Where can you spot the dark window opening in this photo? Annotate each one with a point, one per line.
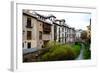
(28, 23)
(29, 35)
(59, 34)
(29, 45)
(46, 32)
(40, 24)
(65, 37)
(40, 35)
(55, 32)
(62, 29)
(23, 45)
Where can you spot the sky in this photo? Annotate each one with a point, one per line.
(76, 20)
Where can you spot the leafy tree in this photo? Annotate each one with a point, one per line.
(84, 35)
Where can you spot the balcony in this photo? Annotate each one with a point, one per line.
(28, 26)
(46, 28)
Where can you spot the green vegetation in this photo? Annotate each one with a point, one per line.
(57, 51)
(77, 48)
(87, 51)
(87, 54)
(87, 42)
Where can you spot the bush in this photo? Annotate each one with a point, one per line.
(78, 43)
(87, 54)
(59, 52)
(87, 51)
(76, 49)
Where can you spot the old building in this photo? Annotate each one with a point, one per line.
(59, 30)
(38, 30)
(89, 30)
(78, 35)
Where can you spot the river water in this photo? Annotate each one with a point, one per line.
(80, 57)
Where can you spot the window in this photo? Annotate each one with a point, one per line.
(29, 45)
(40, 24)
(62, 29)
(59, 34)
(65, 37)
(55, 32)
(28, 22)
(23, 45)
(40, 35)
(62, 37)
(23, 32)
(29, 35)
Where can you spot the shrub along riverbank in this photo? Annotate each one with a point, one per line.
(57, 51)
(87, 51)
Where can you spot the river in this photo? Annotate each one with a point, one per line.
(80, 57)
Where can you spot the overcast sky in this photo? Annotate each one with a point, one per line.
(76, 20)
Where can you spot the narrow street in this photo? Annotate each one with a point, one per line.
(80, 57)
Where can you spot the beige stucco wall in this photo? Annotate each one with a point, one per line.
(47, 37)
(88, 33)
(33, 30)
(39, 28)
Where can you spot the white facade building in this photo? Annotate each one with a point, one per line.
(78, 34)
